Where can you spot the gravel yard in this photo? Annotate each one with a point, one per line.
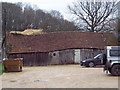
(59, 76)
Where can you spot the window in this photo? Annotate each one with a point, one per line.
(54, 54)
(115, 53)
(98, 56)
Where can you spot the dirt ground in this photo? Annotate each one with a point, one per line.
(59, 76)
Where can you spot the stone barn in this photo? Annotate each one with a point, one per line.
(56, 48)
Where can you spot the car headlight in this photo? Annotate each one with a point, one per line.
(83, 61)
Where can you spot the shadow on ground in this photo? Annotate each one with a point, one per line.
(99, 66)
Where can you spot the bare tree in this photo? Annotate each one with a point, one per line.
(94, 14)
(19, 16)
(28, 15)
(13, 17)
(118, 31)
(56, 14)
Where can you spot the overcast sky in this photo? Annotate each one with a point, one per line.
(60, 5)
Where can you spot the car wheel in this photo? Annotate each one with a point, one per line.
(115, 70)
(91, 64)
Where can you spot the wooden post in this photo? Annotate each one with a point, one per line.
(0, 23)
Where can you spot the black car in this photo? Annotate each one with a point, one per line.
(92, 62)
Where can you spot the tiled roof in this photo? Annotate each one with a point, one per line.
(56, 41)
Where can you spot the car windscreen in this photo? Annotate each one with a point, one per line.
(115, 53)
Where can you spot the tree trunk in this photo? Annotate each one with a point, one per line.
(92, 28)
